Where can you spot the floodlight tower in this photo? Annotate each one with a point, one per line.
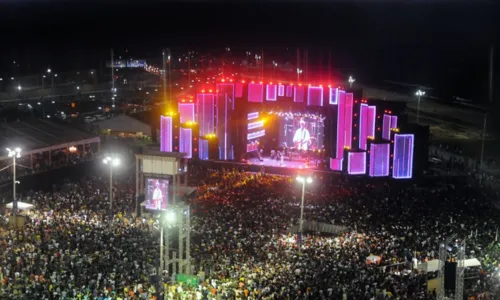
(16, 153)
(419, 94)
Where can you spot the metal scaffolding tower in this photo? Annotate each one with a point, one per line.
(443, 257)
(459, 286)
(174, 260)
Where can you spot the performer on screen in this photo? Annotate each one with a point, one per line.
(157, 196)
(302, 138)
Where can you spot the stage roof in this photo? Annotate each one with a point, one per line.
(124, 123)
(36, 135)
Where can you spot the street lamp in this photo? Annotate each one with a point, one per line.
(302, 180)
(112, 162)
(19, 88)
(419, 94)
(351, 81)
(16, 153)
(166, 218)
(49, 70)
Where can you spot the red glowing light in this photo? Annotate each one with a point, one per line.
(270, 83)
(320, 85)
(183, 100)
(209, 91)
(243, 81)
(261, 82)
(175, 136)
(202, 91)
(230, 80)
(253, 82)
(329, 85)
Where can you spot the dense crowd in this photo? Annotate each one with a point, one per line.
(73, 247)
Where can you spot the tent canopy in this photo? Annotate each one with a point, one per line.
(21, 205)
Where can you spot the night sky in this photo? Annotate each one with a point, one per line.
(443, 45)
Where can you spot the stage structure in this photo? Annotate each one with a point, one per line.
(294, 125)
(161, 184)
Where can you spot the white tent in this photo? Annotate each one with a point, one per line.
(20, 205)
(433, 265)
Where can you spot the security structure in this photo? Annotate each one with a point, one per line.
(175, 218)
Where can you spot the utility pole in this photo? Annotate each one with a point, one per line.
(112, 72)
(298, 65)
(490, 101)
(262, 65)
(165, 76)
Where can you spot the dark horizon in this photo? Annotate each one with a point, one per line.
(444, 46)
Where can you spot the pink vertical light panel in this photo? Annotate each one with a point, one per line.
(299, 94)
(315, 96)
(379, 160)
(386, 127)
(203, 149)
(255, 92)
(372, 115)
(228, 90)
(166, 134)
(356, 163)
(289, 90)
(402, 165)
(341, 125)
(336, 164)
(205, 113)
(333, 96)
(271, 92)
(348, 119)
(394, 121)
(186, 112)
(238, 89)
(281, 90)
(186, 142)
(363, 125)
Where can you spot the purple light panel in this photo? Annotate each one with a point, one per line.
(253, 115)
(315, 96)
(206, 113)
(271, 92)
(334, 96)
(255, 92)
(363, 125)
(299, 94)
(402, 165)
(165, 134)
(386, 127)
(348, 119)
(281, 90)
(254, 125)
(228, 89)
(356, 163)
(238, 89)
(256, 134)
(372, 116)
(203, 149)
(336, 164)
(289, 91)
(186, 142)
(394, 121)
(186, 112)
(379, 160)
(341, 125)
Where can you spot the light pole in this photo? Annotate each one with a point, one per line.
(112, 162)
(299, 71)
(167, 218)
(419, 94)
(52, 87)
(351, 81)
(302, 180)
(16, 153)
(43, 81)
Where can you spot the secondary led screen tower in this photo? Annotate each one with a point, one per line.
(356, 163)
(255, 92)
(402, 166)
(186, 112)
(348, 120)
(299, 94)
(315, 96)
(185, 142)
(390, 122)
(166, 131)
(271, 92)
(224, 108)
(203, 146)
(228, 89)
(206, 113)
(281, 90)
(379, 160)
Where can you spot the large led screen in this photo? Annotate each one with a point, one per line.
(302, 132)
(379, 160)
(157, 193)
(402, 165)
